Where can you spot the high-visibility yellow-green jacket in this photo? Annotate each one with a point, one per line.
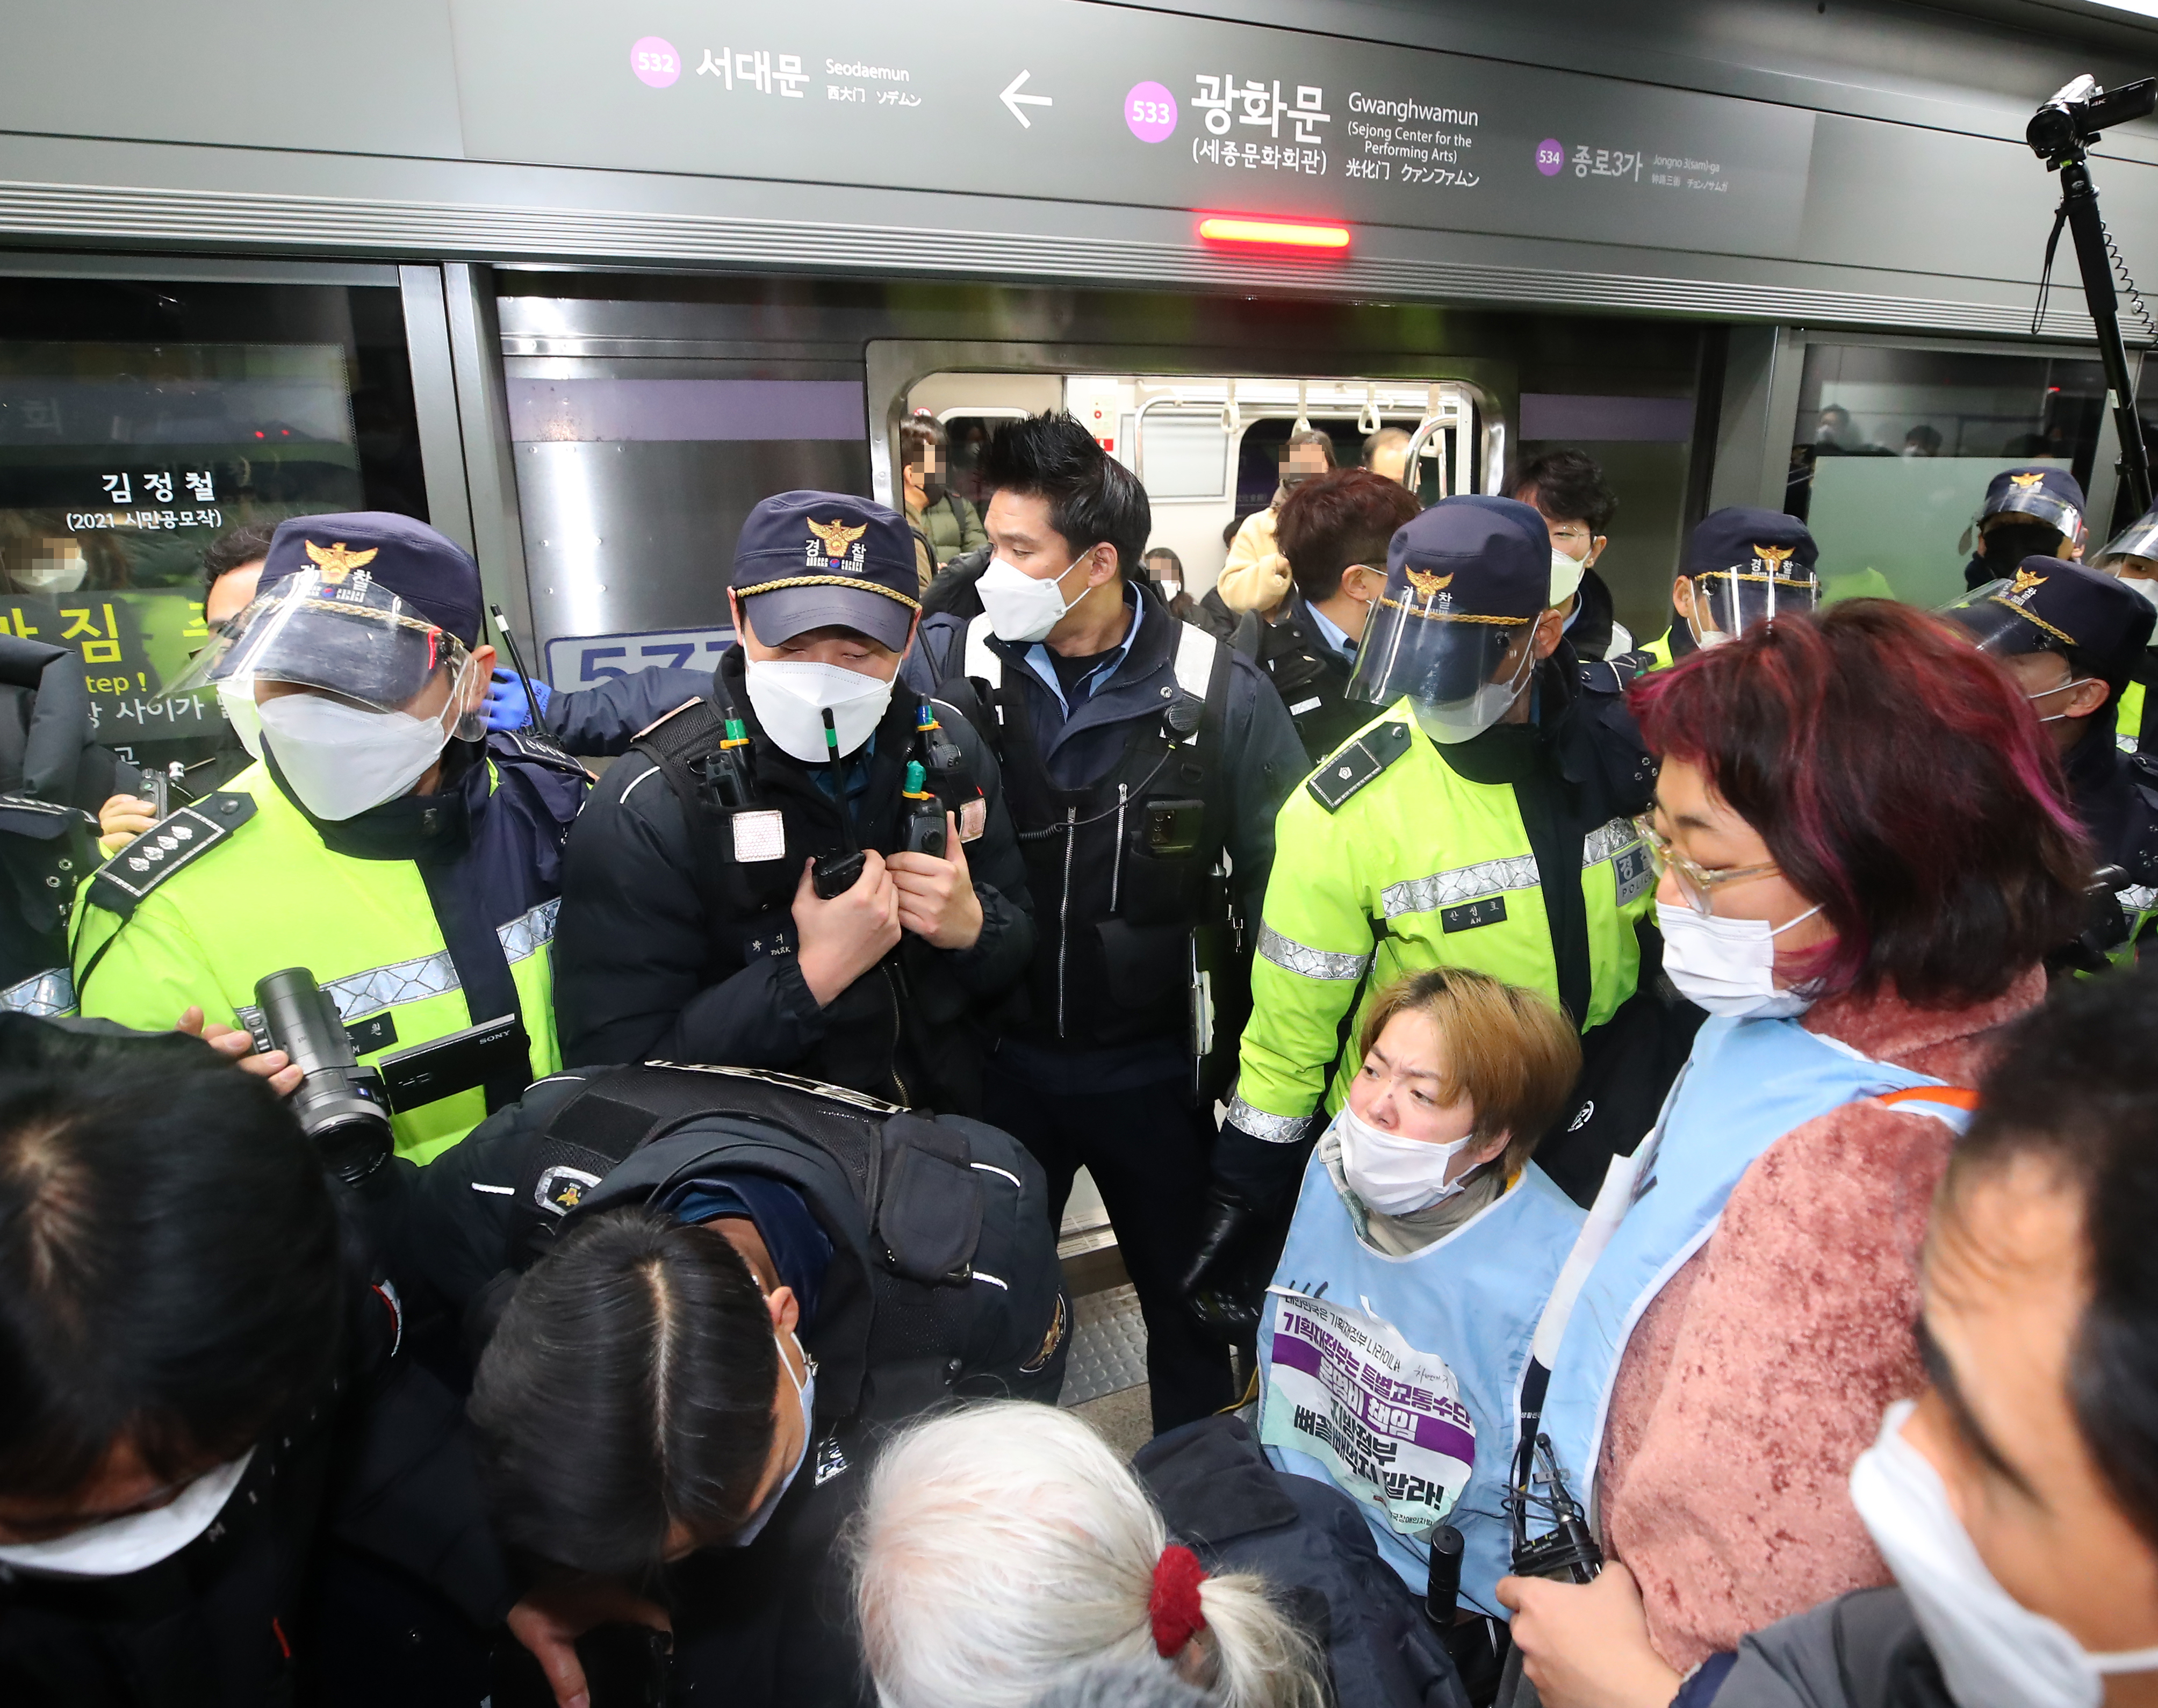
(1418, 867)
(1659, 649)
(268, 895)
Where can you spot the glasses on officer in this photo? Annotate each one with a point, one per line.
(1696, 884)
(1571, 537)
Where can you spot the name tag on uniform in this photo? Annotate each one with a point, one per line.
(759, 836)
(1305, 705)
(1490, 910)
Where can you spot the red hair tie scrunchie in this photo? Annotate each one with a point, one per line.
(1173, 1605)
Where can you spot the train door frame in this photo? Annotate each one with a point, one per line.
(895, 366)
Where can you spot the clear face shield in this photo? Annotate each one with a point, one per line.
(2133, 550)
(2035, 502)
(1997, 623)
(1728, 602)
(350, 640)
(1460, 673)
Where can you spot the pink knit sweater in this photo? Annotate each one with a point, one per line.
(1759, 1372)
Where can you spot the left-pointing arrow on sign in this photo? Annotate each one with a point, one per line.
(1013, 99)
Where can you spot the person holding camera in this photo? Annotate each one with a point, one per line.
(803, 869)
(224, 1477)
(697, 1295)
(407, 859)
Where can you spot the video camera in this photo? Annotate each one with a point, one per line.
(343, 1108)
(2059, 133)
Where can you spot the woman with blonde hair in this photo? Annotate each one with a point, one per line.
(1424, 1245)
(1003, 1549)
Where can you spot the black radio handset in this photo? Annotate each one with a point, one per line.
(835, 877)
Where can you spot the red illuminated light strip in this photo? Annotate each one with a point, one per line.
(1273, 233)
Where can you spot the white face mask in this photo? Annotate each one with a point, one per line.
(64, 576)
(805, 1393)
(341, 760)
(1728, 965)
(2143, 587)
(1020, 608)
(241, 712)
(791, 698)
(1993, 1652)
(1392, 1174)
(1169, 590)
(2061, 688)
(1567, 574)
(134, 1543)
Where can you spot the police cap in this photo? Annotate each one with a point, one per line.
(1491, 557)
(431, 573)
(809, 560)
(2053, 606)
(2042, 490)
(1742, 540)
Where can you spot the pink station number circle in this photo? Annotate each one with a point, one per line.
(654, 60)
(1150, 111)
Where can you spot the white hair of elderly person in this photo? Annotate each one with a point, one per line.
(1004, 1551)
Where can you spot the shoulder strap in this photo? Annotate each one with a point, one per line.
(177, 840)
(1347, 769)
(980, 661)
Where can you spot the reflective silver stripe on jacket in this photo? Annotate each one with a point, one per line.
(1607, 840)
(359, 995)
(379, 987)
(1306, 962)
(1461, 883)
(529, 932)
(45, 994)
(2139, 898)
(1275, 1129)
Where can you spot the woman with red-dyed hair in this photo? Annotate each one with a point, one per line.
(1865, 853)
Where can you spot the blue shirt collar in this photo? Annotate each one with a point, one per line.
(1038, 660)
(1335, 638)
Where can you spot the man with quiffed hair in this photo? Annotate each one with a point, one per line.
(1137, 751)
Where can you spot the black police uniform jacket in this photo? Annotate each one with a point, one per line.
(654, 959)
(1312, 681)
(768, 1623)
(1113, 909)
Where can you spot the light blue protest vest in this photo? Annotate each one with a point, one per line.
(1397, 1379)
(1745, 1085)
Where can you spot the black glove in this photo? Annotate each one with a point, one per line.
(1240, 1231)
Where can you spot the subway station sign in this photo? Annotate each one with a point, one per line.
(1065, 99)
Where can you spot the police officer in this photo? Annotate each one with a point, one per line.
(2071, 637)
(2132, 554)
(49, 772)
(1333, 531)
(702, 1292)
(1484, 820)
(2035, 511)
(409, 861)
(1136, 750)
(712, 909)
(1744, 565)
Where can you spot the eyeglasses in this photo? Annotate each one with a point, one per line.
(1573, 533)
(1696, 883)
